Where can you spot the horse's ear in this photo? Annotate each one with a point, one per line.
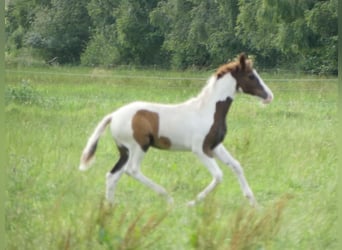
(242, 60)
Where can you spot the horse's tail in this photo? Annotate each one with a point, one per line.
(90, 149)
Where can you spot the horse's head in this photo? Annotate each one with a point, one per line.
(249, 82)
(247, 79)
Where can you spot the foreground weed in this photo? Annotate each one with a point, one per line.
(250, 228)
(206, 234)
(115, 230)
(253, 228)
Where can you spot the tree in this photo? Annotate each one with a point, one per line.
(102, 46)
(177, 33)
(322, 20)
(19, 16)
(198, 33)
(60, 30)
(139, 41)
(223, 44)
(132, 39)
(286, 31)
(173, 19)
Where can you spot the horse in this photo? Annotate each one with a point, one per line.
(197, 125)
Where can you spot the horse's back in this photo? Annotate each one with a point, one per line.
(163, 121)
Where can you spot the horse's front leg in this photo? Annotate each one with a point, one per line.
(223, 155)
(216, 173)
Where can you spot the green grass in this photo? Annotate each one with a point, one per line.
(288, 151)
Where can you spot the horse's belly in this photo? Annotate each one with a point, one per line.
(183, 134)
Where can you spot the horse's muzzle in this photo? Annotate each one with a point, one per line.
(268, 99)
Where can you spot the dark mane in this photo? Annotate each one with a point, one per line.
(241, 63)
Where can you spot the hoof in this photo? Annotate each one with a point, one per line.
(170, 201)
(191, 203)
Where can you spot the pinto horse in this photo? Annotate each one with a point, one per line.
(197, 125)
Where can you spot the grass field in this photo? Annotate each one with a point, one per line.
(288, 151)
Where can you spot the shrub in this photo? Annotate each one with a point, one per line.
(100, 51)
(23, 94)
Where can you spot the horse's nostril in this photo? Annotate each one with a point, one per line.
(268, 99)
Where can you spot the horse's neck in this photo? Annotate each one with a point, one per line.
(217, 90)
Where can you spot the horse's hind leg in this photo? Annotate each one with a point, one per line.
(114, 175)
(133, 169)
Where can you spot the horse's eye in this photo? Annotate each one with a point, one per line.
(251, 77)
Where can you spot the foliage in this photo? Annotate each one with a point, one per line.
(290, 30)
(56, 28)
(100, 52)
(122, 34)
(322, 20)
(197, 33)
(23, 94)
(138, 41)
(177, 33)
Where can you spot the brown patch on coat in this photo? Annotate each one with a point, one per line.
(145, 125)
(218, 129)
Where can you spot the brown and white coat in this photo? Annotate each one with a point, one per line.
(197, 125)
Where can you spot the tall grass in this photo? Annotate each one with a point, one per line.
(287, 149)
(106, 227)
(246, 228)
